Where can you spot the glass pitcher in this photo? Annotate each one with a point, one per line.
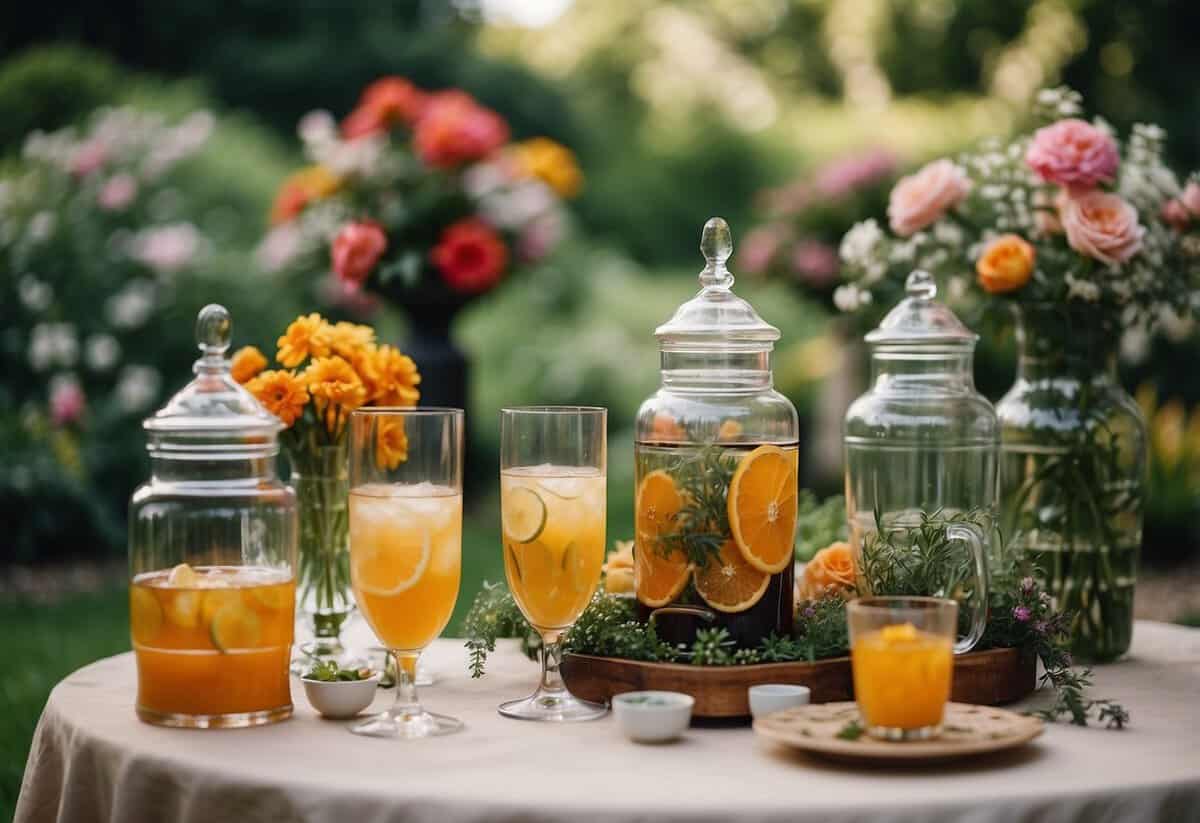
(212, 554)
(921, 450)
(716, 470)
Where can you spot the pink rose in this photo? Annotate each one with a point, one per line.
(1046, 211)
(758, 249)
(1073, 153)
(1176, 214)
(89, 157)
(117, 193)
(815, 263)
(1102, 226)
(356, 250)
(1191, 198)
(920, 199)
(67, 401)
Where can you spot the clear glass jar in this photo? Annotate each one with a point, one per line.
(212, 554)
(716, 469)
(922, 442)
(1072, 472)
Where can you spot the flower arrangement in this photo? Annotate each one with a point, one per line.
(805, 218)
(326, 371)
(1085, 239)
(98, 252)
(419, 197)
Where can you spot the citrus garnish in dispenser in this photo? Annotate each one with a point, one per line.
(728, 583)
(762, 508)
(660, 571)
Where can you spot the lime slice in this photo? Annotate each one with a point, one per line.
(523, 515)
(216, 599)
(394, 565)
(145, 614)
(235, 627)
(567, 490)
(183, 608)
(516, 564)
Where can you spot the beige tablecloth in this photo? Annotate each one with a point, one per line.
(92, 760)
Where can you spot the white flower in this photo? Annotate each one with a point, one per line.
(166, 249)
(41, 226)
(316, 127)
(101, 352)
(137, 388)
(849, 298)
(1135, 344)
(279, 247)
(348, 158)
(53, 344)
(511, 208)
(1083, 289)
(35, 294)
(131, 307)
(956, 288)
(948, 233)
(860, 243)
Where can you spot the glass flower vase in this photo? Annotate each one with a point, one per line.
(1072, 471)
(321, 481)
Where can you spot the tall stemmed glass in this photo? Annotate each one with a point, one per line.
(553, 475)
(406, 544)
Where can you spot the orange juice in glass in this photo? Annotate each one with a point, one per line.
(406, 545)
(553, 495)
(902, 657)
(212, 644)
(553, 520)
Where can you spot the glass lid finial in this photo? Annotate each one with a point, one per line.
(921, 318)
(716, 244)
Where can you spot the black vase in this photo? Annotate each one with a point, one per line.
(443, 366)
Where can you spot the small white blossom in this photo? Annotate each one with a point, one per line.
(166, 249)
(36, 295)
(1083, 289)
(137, 388)
(131, 307)
(101, 352)
(850, 298)
(41, 226)
(317, 127)
(53, 344)
(860, 243)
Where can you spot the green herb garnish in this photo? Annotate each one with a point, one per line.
(851, 731)
(328, 671)
(702, 525)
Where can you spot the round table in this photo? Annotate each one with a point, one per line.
(92, 760)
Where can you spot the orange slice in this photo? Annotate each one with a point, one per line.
(762, 508)
(658, 577)
(728, 583)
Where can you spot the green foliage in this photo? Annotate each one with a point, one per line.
(702, 525)
(821, 630)
(819, 523)
(47, 88)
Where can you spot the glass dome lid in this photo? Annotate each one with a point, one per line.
(716, 319)
(213, 416)
(921, 319)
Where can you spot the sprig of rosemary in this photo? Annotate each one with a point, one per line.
(702, 525)
(494, 614)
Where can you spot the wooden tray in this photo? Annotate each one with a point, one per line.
(966, 731)
(990, 678)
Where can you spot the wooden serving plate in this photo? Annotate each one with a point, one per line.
(990, 678)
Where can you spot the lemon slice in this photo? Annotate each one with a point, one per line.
(394, 564)
(235, 627)
(183, 608)
(183, 576)
(274, 596)
(523, 514)
(145, 614)
(216, 599)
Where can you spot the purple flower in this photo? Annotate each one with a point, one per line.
(810, 612)
(1028, 585)
(1022, 614)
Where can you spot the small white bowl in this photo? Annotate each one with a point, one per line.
(651, 716)
(339, 699)
(775, 697)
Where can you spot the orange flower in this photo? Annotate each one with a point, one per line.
(303, 187)
(347, 339)
(305, 337)
(336, 390)
(391, 442)
(384, 103)
(830, 571)
(1006, 264)
(552, 163)
(454, 129)
(666, 429)
(246, 364)
(395, 378)
(282, 393)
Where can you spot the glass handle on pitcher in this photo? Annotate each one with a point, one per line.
(972, 536)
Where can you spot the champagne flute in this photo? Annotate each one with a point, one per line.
(406, 545)
(552, 500)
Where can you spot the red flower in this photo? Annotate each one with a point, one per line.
(470, 256)
(356, 250)
(454, 129)
(384, 103)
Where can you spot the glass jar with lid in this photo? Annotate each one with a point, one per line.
(921, 444)
(212, 554)
(716, 470)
